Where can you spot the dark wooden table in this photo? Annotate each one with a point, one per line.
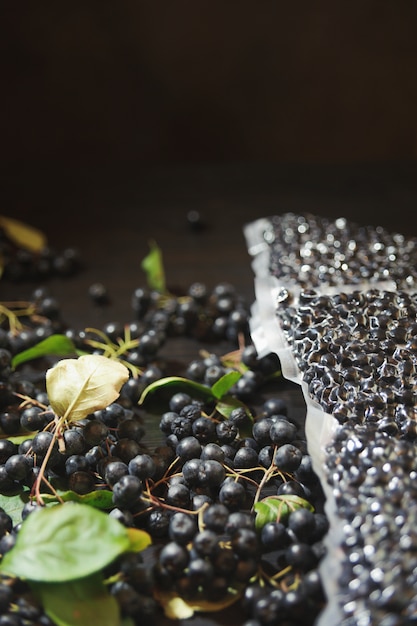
(111, 214)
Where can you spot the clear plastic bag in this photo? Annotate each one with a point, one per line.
(292, 254)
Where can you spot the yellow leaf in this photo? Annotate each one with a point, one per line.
(176, 607)
(139, 539)
(23, 235)
(78, 387)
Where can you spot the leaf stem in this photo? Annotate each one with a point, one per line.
(41, 476)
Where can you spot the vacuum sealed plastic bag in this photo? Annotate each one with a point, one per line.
(337, 302)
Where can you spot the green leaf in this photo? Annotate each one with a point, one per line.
(77, 387)
(225, 383)
(196, 390)
(265, 513)
(20, 437)
(278, 508)
(79, 602)
(55, 345)
(13, 505)
(100, 499)
(181, 384)
(65, 542)
(22, 234)
(226, 405)
(153, 267)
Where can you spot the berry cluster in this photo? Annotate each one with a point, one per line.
(196, 491)
(214, 543)
(209, 315)
(313, 251)
(22, 264)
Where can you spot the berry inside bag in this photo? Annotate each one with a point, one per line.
(337, 302)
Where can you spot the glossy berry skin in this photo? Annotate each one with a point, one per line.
(126, 491)
(158, 524)
(288, 457)
(173, 558)
(212, 451)
(215, 517)
(204, 542)
(32, 419)
(274, 536)
(7, 448)
(301, 556)
(291, 487)
(200, 571)
(6, 522)
(245, 458)
(302, 523)
(212, 473)
(10, 421)
(126, 449)
(261, 431)
(182, 528)
(82, 482)
(204, 429)
(76, 463)
(275, 406)
(74, 442)
(18, 466)
(267, 610)
(142, 465)
(238, 520)
(114, 472)
(112, 414)
(40, 445)
(226, 432)
(178, 401)
(191, 472)
(95, 431)
(131, 429)
(232, 495)
(282, 431)
(245, 543)
(188, 448)
(178, 495)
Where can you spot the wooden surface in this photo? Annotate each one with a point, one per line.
(111, 215)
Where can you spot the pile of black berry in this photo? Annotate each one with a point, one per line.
(23, 264)
(313, 251)
(347, 308)
(195, 491)
(373, 478)
(358, 354)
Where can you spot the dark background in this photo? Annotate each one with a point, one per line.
(120, 117)
(168, 82)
